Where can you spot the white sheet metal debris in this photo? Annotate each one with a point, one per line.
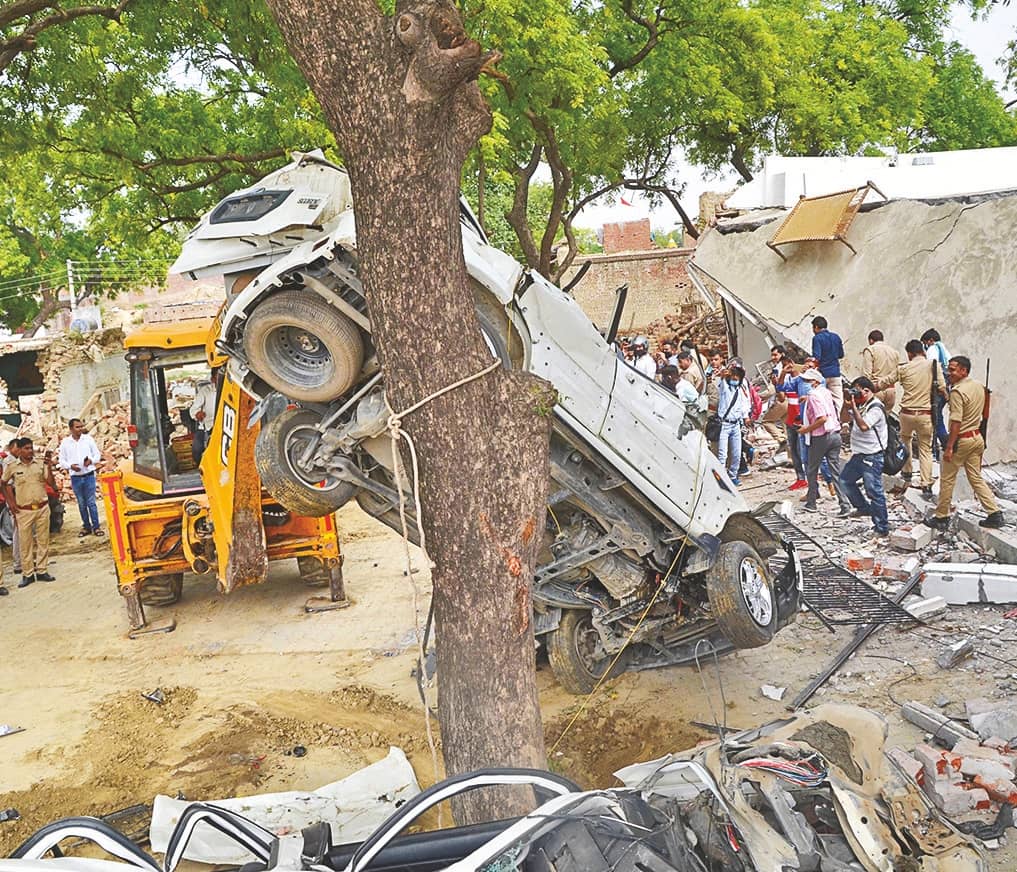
(962, 583)
(353, 807)
(813, 791)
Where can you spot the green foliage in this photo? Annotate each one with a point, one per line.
(977, 118)
(116, 136)
(121, 135)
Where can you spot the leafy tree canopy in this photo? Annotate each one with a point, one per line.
(119, 128)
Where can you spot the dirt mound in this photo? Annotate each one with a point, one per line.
(138, 748)
(600, 742)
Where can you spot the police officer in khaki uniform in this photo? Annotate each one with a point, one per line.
(964, 447)
(879, 366)
(919, 379)
(30, 505)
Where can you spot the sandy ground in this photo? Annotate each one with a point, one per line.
(250, 676)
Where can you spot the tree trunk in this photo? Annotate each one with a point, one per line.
(400, 94)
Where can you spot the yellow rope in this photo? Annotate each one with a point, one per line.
(596, 688)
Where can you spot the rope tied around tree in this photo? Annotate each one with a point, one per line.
(396, 433)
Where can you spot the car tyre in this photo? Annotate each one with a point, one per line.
(162, 590)
(303, 347)
(741, 595)
(279, 443)
(571, 651)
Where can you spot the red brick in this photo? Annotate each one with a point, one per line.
(627, 236)
(859, 562)
(998, 789)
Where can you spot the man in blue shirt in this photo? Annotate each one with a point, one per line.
(828, 350)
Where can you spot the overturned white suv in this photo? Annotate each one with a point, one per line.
(634, 485)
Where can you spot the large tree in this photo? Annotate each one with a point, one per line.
(399, 91)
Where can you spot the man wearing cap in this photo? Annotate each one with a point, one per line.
(868, 441)
(25, 491)
(922, 383)
(821, 428)
(964, 447)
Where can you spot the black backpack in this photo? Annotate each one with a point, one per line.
(894, 452)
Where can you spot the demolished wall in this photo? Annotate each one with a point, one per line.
(84, 376)
(946, 265)
(658, 285)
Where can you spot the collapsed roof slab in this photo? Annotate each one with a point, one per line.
(945, 264)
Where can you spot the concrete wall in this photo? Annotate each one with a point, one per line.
(657, 279)
(79, 381)
(947, 265)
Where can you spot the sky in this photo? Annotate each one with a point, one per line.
(985, 37)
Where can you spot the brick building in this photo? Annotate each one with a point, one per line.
(658, 282)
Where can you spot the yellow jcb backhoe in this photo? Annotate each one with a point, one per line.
(169, 512)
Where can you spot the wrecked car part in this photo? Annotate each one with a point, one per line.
(696, 811)
(881, 822)
(987, 832)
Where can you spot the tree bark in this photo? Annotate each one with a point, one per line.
(400, 94)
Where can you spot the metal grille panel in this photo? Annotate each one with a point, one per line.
(835, 594)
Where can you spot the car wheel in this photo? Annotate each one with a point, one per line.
(280, 445)
(303, 347)
(576, 655)
(741, 596)
(6, 526)
(313, 572)
(162, 590)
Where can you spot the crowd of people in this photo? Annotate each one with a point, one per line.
(802, 401)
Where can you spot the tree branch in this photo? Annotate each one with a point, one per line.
(26, 40)
(516, 216)
(652, 38)
(231, 157)
(561, 185)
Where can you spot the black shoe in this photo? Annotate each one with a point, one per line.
(858, 513)
(938, 523)
(993, 522)
(44, 576)
(845, 512)
(4, 591)
(26, 580)
(927, 491)
(85, 531)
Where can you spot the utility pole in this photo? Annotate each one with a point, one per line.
(70, 286)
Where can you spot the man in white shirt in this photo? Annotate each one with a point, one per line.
(79, 455)
(936, 350)
(203, 414)
(641, 360)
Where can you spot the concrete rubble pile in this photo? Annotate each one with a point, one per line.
(108, 425)
(964, 769)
